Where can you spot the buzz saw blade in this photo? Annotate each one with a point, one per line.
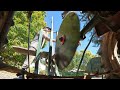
(67, 40)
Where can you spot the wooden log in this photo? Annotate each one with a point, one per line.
(5, 23)
(109, 54)
(8, 68)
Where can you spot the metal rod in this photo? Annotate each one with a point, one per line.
(29, 17)
(52, 36)
(50, 49)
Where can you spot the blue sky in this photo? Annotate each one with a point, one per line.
(57, 22)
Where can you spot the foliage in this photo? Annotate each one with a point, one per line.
(18, 35)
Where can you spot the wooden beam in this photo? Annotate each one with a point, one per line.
(6, 22)
(95, 20)
(12, 69)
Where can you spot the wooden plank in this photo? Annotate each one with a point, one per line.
(24, 50)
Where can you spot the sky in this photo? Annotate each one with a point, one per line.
(57, 20)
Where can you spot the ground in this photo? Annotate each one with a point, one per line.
(7, 75)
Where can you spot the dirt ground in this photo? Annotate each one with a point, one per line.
(7, 75)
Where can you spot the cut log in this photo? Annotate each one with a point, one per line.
(109, 48)
(5, 24)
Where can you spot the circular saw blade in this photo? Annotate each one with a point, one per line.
(67, 40)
